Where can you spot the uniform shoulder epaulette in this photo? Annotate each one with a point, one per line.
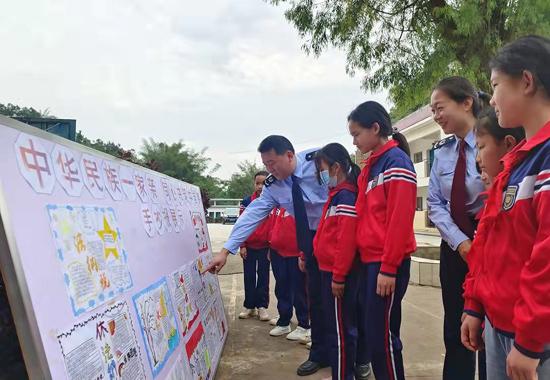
(269, 180)
(311, 155)
(444, 142)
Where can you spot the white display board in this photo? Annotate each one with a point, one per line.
(103, 262)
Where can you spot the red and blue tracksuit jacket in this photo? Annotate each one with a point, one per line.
(259, 239)
(509, 262)
(386, 205)
(283, 234)
(334, 244)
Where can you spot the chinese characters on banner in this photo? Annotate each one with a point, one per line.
(35, 164)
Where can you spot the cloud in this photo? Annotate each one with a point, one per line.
(222, 74)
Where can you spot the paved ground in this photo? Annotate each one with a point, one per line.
(250, 353)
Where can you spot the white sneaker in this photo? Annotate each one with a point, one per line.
(280, 330)
(308, 346)
(273, 322)
(306, 338)
(247, 313)
(298, 334)
(262, 314)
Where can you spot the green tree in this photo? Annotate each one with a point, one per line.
(407, 46)
(12, 110)
(181, 162)
(241, 183)
(109, 147)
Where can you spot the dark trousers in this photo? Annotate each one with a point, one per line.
(290, 290)
(460, 363)
(319, 350)
(381, 317)
(341, 325)
(256, 278)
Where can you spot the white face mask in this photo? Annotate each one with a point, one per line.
(327, 180)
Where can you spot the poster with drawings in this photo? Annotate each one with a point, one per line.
(181, 284)
(201, 232)
(90, 250)
(104, 346)
(158, 324)
(200, 360)
(215, 327)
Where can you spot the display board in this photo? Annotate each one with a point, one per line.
(103, 262)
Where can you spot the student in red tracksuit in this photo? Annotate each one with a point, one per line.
(335, 250)
(508, 284)
(254, 253)
(385, 206)
(290, 281)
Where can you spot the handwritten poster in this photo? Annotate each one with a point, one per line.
(158, 324)
(199, 357)
(91, 252)
(104, 346)
(201, 234)
(183, 291)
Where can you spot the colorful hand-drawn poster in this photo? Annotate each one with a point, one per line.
(104, 346)
(158, 323)
(199, 357)
(201, 234)
(182, 290)
(91, 252)
(214, 323)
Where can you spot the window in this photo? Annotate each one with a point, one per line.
(419, 204)
(417, 157)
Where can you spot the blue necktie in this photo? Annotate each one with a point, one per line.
(303, 233)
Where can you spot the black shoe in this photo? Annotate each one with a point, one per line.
(309, 368)
(362, 371)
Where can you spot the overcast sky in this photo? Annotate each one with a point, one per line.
(220, 74)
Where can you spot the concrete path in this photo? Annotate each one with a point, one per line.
(250, 353)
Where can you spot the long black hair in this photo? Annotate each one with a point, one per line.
(459, 89)
(368, 113)
(529, 53)
(335, 153)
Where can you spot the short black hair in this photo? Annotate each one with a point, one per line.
(261, 172)
(529, 53)
(487, 123)
(279, 144)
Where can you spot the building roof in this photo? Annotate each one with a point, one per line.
(413, 118)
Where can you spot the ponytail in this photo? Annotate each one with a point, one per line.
(336, 153)
(401, 141)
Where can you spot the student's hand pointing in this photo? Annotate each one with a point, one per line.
(217, 262)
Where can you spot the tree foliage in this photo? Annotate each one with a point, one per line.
(12, 110)
(182, 162)
(241, 183)
(407, 46)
